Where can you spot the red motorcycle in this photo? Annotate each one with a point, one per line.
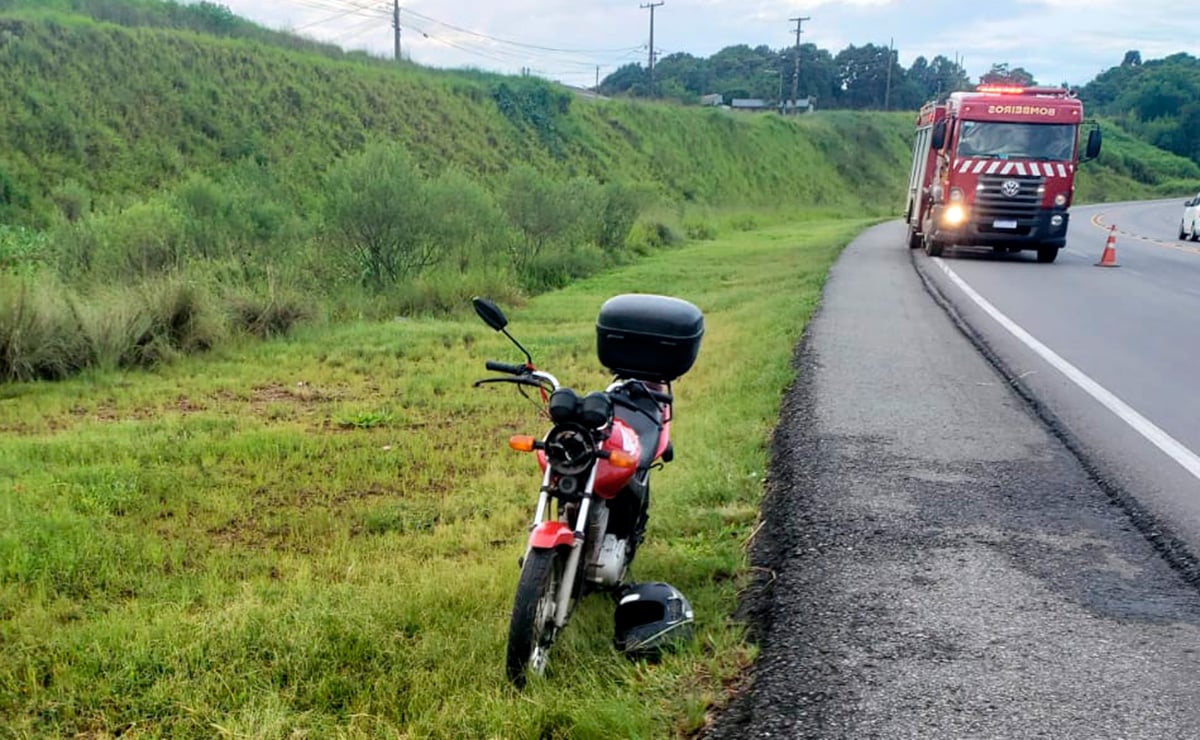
(596, 461)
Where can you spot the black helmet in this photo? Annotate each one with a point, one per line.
(651, 618)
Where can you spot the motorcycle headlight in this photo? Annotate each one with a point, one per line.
(569, 449)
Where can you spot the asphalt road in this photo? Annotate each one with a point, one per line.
(936, 559)
(1133, 331)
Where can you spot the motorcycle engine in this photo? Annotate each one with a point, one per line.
(608, 569)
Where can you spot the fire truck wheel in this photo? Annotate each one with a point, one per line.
(933, 247)
(1047, 254)
(914, 238)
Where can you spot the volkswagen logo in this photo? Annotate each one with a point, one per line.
(1010, 188)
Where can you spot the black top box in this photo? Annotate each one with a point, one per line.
(648, 337)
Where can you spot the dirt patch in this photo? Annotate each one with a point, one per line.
(301, 393)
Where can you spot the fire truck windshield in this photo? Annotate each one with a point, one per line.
(1048, 141)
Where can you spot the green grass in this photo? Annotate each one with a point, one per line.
(319, 534)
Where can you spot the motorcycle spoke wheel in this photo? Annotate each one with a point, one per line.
(531, 631)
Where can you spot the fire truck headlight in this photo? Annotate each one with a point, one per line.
(1056, 221)
(955, 215)
(1060, 200)
(956, 195)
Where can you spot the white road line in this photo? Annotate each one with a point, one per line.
(1157, 437)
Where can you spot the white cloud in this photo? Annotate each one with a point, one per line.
(1057, 40)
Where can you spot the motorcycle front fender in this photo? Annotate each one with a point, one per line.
(549, 535)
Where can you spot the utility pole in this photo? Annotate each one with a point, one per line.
(796, 75)
(887, 90)
(396, 25)
(652, 6)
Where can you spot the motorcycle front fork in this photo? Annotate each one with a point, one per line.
(566, 587)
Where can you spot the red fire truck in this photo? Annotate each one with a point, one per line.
(996, 167)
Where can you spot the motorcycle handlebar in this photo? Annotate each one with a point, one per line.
(504, 367)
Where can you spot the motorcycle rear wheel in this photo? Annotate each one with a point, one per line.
(531, 630)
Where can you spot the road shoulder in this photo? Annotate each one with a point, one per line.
(937, 563)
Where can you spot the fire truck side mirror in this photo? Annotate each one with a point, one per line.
(939, 136)
(1093, 144)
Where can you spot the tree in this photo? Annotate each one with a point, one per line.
(1153, 99)
(1000, 74)
(631, 79)
(687, 72)
(862, 75)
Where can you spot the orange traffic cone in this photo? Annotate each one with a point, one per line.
(1109, 258)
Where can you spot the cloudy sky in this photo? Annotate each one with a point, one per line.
(1056, 40)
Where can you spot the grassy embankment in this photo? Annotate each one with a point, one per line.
(165, 190)
(320, 533)
(186, 178)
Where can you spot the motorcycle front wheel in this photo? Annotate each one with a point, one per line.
(531, 631)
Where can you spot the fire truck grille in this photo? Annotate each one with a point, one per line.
(993, 204)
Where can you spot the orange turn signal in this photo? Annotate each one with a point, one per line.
(521, 443)
(622, 459)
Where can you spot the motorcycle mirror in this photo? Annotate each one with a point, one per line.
(490, 313)
(1093, 144)
(495, 318)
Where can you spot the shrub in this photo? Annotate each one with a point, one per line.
(22, 248)
(466, 220)
(559, 268)
(41, 336)
(548, 214)
(651, 234)
(179, 317)
(151, 324)
(378, 211)
(74, 201)
(145, 240)
(622, 206)
(699, 229)
(269, 313)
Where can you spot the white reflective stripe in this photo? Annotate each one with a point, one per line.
(1062, 171)
(1020, 168)
(995, 166)
(965, 166)
(1034, 169)
(979, 166)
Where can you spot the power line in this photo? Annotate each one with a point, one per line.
(343, 7)
(513, 43)
(324, 21)
(497, 49)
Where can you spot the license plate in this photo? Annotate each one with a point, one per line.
(1004, 224)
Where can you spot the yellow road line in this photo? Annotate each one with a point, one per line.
(1098, 222)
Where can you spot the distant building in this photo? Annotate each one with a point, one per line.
(802, 105)
(751, 104)
(713, 99)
